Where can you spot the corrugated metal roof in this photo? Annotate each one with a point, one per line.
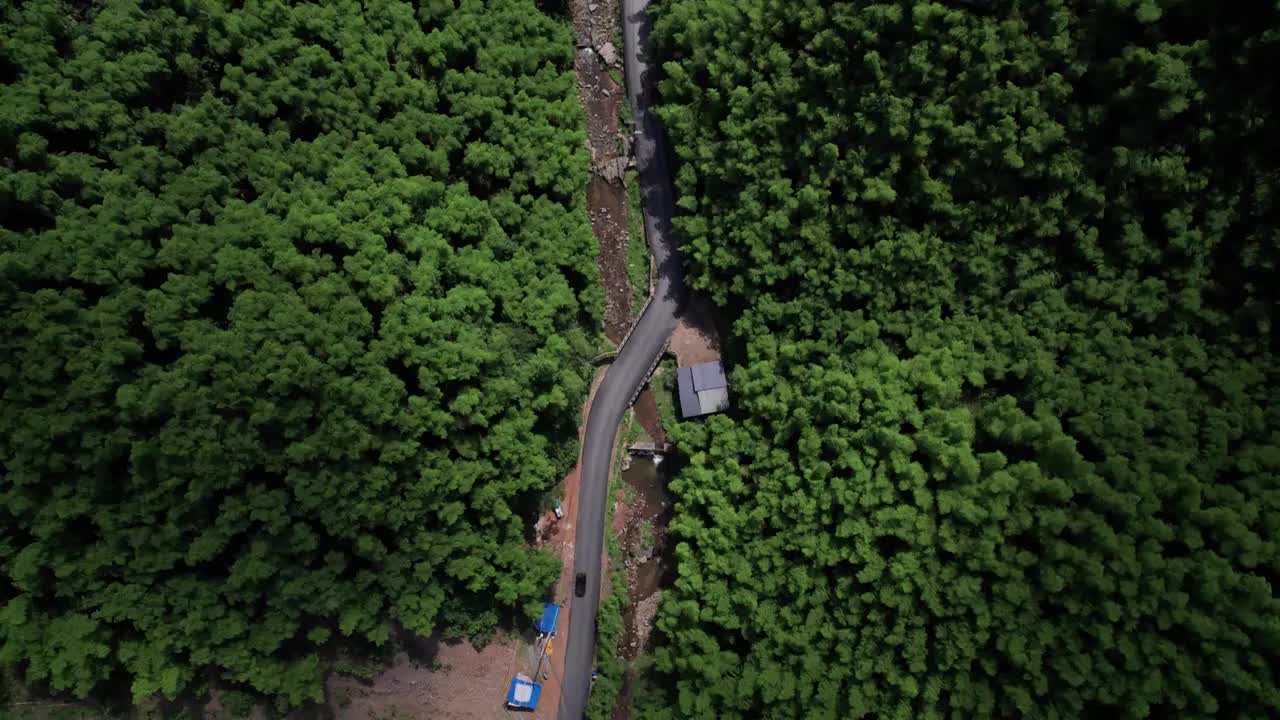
(713, 400)
(688, 396)
(708, 376)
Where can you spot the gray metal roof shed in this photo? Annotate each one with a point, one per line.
(703, 389)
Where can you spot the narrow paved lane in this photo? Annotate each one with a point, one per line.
(628, 371)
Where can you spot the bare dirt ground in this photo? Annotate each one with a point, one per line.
(463, 683)
(696, 338)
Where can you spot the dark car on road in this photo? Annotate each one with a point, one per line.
(580, 584)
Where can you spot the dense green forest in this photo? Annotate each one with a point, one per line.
(1003, 284)
(296, 304)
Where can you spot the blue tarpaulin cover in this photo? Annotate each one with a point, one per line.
(524, 692)
(550, 617)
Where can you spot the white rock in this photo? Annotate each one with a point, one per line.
(609, 54)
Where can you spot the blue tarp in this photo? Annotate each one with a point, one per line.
(550, 617)
(524, 693)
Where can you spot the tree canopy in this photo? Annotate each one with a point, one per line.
(297, 300)
(1002, 278)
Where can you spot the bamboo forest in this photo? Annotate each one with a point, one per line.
(1003, 281)
(288, 342)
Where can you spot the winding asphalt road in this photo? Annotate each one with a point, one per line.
(636, 357)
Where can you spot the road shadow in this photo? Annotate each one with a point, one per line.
(654, 164)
